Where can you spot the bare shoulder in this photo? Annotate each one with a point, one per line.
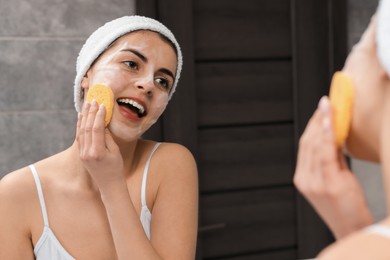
(175, 158)
(359, 245)
(17, 197)
(174, 152)
(18, 207)
(174, 164)
(17, 185)
(173, 185)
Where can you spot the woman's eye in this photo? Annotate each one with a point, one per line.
(131, 64)
(164, 83)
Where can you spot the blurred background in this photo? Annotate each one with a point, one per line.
(254, 71)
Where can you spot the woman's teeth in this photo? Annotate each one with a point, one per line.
(139, 107)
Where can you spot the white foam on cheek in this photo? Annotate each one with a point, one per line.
(109, 72)
(158, 107)
(160, 103)
(106, 71)
(106, 76)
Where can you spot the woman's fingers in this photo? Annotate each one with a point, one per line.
(90, 130)
(89, 122)
(98, 134)
(102, 139)
(342, 161)
(79, 118)
(81, 133)
(307, 170)
(330, 154)
(318, 163)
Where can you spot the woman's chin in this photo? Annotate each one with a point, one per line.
(124, 134)
(360, 152)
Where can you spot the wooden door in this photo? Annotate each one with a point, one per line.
(253, 74)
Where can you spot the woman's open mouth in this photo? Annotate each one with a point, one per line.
(132, 106)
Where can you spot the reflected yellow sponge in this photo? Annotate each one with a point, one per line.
(341, 96)
(103, 95)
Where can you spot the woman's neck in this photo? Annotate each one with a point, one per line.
(79, 173)
(128, 152)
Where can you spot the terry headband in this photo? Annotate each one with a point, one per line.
(383, 34)
(100, 39)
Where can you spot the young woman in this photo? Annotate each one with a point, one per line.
(322, 174)
(110, 195)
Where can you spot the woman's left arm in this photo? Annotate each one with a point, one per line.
(175, 210)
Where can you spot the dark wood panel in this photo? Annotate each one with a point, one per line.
(243, 157)
(155, 132)
(244, 92)
(252, 221)
(147, 8)
(226, 29)
(279, 254)
(305, 32)
(317, 39)
(179, 120)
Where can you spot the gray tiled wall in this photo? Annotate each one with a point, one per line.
(359, 15)
(39, 43)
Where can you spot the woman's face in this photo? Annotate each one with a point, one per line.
(140, 68)
(370, 82)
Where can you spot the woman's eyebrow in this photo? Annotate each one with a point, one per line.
(140, 55)
(144, 59)
(168, 72)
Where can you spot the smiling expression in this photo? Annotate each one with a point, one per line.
(140, 69)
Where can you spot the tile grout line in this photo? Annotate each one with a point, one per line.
(36, 111)
(41, 38)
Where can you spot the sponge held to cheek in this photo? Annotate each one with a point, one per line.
(341, 99)
(102, 94)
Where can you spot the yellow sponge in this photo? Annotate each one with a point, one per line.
(341, 99)
(103, 95)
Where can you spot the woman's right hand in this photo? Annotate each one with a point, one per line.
(323, 177)
(99, 153)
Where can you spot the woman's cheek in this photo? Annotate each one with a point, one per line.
(160, 103)
(132, 133)
(108, 76)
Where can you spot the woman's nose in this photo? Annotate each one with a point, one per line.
(145, 84)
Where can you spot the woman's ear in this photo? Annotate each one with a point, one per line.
(384, 74)
(85, 82)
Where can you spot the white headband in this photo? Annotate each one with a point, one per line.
(108, 33)
(383, 34)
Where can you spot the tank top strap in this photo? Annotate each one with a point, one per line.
(40, 194)
(379, 229)
(145, 176)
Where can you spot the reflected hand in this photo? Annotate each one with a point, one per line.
(323, 177)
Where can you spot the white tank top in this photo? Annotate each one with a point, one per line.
(49, 248)
(380, 230)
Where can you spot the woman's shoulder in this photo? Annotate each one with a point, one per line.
(18, 183)
(176, 149)
(17, 194)
(174, 178)
(172, 153)
(359, 245)
(173, 159)
(23, 177)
